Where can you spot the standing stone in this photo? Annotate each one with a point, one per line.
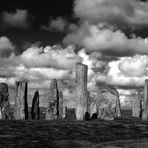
(137, 105)
(60, 105)
(145, 105)
(52, 109)
(81, 91)
(21, 104)
(107, 102)
(35, 109)
(64, 112)
(118, 106)
(4, 102)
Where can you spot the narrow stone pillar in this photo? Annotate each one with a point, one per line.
(145, 109)
(52, 111)
(35, 109)
(64, 112)
(118, 107)
(21, 104)
(60, 106)
(4, 102)
(81, 91)
(137, 105)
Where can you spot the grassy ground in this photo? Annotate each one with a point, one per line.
(74, 134)
(69, 133)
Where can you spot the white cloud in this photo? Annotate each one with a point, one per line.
(18, 19)
(123, 77)
(50, 57)
(113, 11)
(134, 66)
(33, 74)
(92, 38)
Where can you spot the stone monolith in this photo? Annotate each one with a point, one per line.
(35, 109)
(21, 104)
(4, 102)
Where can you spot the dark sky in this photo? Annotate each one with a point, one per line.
(39, 13)
(42, 10)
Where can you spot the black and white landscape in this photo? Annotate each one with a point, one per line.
(74, 73)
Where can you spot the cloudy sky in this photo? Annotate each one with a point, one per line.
(40, 41)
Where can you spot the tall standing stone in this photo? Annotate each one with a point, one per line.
(137, 105)
(52, 109)
(21, 104)
(4, 102)
(60, 105)
(145, 109)
(35, 109)
(81, 91)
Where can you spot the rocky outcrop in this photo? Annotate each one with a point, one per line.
(35, 109)
(52, 109)
(4, 102)
(21, 104)
(106, 102)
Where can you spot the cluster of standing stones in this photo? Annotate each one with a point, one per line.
(85, 109)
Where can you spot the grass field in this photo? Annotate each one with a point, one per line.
(125, 132)
(74, 134)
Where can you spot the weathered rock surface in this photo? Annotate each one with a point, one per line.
(52, 109)
(82, 103)
(106, 102)
(21, 104)
(35, 109)
(145, 103)
(4, 102)
(60, 105)
(137, 105)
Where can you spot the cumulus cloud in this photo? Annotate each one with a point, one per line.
(6, 44)
(113, 11)
(18, 19)
(105, 40)
(6, 47)
(59, 24)
(33, 74)
(134, 66)
(119, 76)
(36, 64)
(50, 57)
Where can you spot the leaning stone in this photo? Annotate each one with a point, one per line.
(35, 109)
(5, 112)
